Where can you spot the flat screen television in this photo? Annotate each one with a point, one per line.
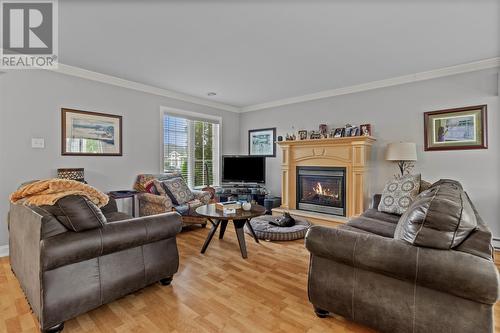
(243, 169)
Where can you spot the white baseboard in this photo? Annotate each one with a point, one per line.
(4, 251)
(496, 243)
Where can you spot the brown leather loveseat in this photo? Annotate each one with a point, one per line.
(68, 265)
(430, 270)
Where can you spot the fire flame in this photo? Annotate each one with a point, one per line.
(326, 192)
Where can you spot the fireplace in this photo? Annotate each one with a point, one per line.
(322, 189)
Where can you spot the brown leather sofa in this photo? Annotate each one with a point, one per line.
(361, 272)
(65, 273)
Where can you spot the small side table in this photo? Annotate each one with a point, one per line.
(124, 195)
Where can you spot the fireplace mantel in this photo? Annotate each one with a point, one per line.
(352, 153)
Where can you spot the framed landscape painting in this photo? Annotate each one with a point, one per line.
(262, 142)
(453, 129)
(90, 133)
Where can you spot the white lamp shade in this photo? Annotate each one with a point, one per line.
(401, 151)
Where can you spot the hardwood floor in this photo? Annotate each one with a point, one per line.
(215, 292)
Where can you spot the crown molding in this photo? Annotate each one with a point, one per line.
(416, 77)
(116, 81)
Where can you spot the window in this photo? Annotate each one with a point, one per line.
(191, 146)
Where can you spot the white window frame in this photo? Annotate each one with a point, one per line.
(168, 110)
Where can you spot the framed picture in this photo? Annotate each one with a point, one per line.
(452, 129)
(365, 130)
(339, 132)
(302, 134)
(90, 133)
(355, 131)
(315, 135)
(323, 130)
(261, 142)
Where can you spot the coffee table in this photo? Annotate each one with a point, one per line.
(240, 218)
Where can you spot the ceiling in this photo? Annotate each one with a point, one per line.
(253, 52)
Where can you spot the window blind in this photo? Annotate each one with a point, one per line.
(191, 146)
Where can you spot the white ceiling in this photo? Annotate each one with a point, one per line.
(252, 52)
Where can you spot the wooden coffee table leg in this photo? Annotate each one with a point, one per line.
(223, 225)
(215, 225)
(238, 226)
(251, 231)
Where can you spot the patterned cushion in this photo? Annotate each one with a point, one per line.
(143, 179)
(203, 196)
(399, 193)
(159, 188)
(178, 190)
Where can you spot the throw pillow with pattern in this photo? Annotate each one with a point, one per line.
(399, 193)
(158, 187)
(178, 190)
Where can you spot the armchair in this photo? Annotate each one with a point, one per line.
(153, 203)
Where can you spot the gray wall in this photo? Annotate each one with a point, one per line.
(30, 107)
(30, 103)
(396, 114)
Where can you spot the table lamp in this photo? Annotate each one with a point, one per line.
(405, 153)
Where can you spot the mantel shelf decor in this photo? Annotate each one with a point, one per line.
(326, 140)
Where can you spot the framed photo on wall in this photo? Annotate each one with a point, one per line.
(262, 142)
(454, 129)
(90, 133)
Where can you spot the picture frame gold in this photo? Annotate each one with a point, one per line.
(85, 133)
(456, 129)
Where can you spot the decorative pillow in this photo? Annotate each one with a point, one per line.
(141, 181)
(203, 196)
(144, 179)
(158, 187)
(177, 190)
(440, 217)
(77, 213)
(399, 193)
(151, 187)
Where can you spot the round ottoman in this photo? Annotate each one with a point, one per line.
(266, 231)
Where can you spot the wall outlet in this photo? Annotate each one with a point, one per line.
(37, 143)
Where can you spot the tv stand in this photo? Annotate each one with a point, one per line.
(241, 191)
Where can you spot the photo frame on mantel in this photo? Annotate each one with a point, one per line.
(262, 142)
(456, 129)
(86, 133)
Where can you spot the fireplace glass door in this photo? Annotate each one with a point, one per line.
(321, 189)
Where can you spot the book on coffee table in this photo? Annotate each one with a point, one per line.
(228, 205)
